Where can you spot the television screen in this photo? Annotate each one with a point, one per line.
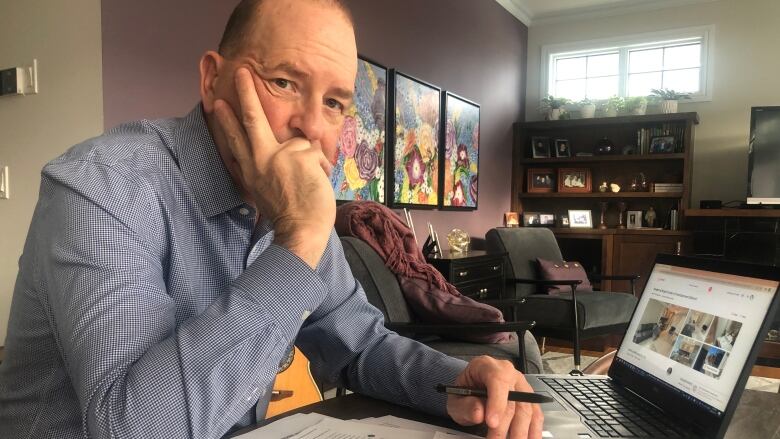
(764, 156)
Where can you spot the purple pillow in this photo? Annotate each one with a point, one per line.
(553, 270)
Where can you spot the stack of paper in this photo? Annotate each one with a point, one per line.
(313, 425)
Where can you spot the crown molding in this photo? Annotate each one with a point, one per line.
(518, 9)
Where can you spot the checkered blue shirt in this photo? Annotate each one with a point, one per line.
(150, 305)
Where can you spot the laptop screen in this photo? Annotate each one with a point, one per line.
(694, 329)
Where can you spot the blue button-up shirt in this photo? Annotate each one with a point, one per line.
(149, 303)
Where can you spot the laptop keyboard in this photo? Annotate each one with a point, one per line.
(612, 413)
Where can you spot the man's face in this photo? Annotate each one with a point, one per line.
(303, 59)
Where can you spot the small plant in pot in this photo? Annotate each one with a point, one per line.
(669, 99)
(613, 106)
(553, 107)
(587, 108)
(636, 105)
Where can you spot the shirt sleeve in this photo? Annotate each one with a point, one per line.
(347, 344)
(136, 373)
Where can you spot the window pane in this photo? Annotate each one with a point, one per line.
(682, 80)
(640, 84)
(681, 57)
(573, 89)
(603, 65)
(602, 88)
(645, 60)
(570, 68)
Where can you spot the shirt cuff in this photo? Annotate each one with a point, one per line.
(285, 286)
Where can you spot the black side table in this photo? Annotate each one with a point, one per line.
(476, 274)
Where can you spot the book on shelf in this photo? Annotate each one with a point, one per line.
(644, 138)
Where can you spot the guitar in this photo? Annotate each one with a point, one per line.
(294, 386)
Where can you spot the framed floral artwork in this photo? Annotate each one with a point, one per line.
(460, 154)
(415, 133)
(359, 173)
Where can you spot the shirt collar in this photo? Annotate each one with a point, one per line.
(202, 166)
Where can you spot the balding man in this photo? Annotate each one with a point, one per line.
(171, 265)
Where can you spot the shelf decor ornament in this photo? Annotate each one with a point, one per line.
(359, 173)
(460, 153)
(415, 164)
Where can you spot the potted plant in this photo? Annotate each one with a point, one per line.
(553, 106)
(636, 105)
(614, 105)
(587, 108)
(669, 99)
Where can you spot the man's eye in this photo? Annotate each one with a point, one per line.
(334, 104)
(281, 83)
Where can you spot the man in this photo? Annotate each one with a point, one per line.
(170, 265)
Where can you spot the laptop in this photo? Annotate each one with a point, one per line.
(683, 362)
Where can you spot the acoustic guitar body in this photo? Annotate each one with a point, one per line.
(294, 387)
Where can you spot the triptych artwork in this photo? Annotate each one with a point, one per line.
(406, 143)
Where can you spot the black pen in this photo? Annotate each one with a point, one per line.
(533, 398)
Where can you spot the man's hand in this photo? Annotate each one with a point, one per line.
(504, 418)
(287, 181)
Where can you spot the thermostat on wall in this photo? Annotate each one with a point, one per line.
(19, 80)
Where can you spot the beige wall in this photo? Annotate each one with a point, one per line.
(65, 38)
(746, 73)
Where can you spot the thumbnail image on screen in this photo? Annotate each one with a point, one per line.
(692, 338)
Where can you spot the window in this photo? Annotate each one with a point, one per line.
(630, 66)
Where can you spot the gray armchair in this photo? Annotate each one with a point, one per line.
(383, 291)
(597, 313)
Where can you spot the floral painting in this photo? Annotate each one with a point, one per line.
(359, 173)
(416, 146)
(461, 153)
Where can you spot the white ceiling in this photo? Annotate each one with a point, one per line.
(537, 12)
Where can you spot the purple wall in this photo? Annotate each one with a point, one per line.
(473, 48)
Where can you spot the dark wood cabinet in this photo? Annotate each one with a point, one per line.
(636, 253)
(476, 274)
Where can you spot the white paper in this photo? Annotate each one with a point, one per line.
(330, 428)
(284, 427)
(392, 421)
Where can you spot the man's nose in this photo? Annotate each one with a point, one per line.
(308, 120)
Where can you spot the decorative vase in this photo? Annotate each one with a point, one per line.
(588, 111)
(622, 206)
(641, 110)
(603, 219)
(610, 112)
(668, 106)
(554, 114)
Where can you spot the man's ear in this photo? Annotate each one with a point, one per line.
(210, 68)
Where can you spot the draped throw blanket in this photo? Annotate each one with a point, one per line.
(429, 295)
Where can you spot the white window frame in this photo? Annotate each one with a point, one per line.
(624, 44)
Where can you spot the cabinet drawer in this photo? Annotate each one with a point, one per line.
(470, 272)
(490, 288)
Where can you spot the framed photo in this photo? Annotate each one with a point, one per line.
(634, 219)
(540, 147)
(662, 145)
(531, 219)
(562, 148)
(511, 219)
(563, 221)
(415, 138)
(460, 153)
(547, 219)
(359, 173)
(541, 180)
(574, 180)
(580, 219)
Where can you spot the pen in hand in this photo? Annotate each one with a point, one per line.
(533, 398)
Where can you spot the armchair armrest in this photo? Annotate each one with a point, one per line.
(502, 302)
(614, 276)
(545, 282)
(460, 328)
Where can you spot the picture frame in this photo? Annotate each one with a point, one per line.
(580, 219)
(634, 219)
(414, 164)
(562, 148)
(662, 145)
(511, 219)
(361, 163)
(531, 219)
(541, 180)
(540, 147)
(547, 219)
(459, 153)
(574, 180)
(563, 221)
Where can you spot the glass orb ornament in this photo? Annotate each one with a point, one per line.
(458, 240)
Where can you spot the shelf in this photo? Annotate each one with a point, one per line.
(734, 213)
(601, 195)
(604, 158)
(607, 121)
(595, 231)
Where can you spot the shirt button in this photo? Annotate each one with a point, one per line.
(243, 211)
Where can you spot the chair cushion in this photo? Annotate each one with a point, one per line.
(595, 310)
(555, 270)
(523, 245)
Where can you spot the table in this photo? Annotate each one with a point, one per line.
(476, 274)
(757, 416)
